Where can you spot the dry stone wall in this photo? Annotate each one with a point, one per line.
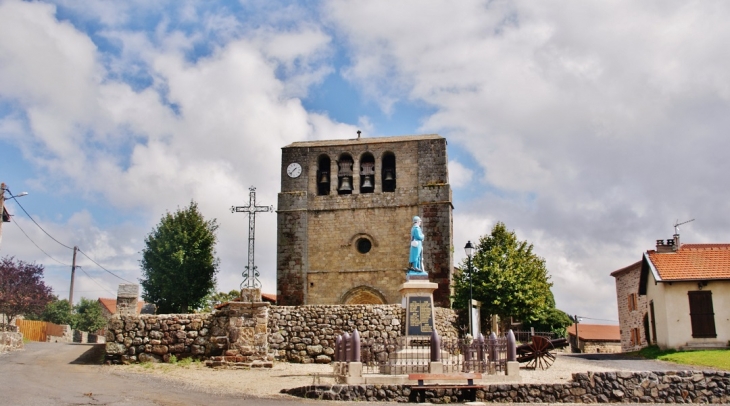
(299, 334)
(307, 334)
(10, 341)
(603, 387)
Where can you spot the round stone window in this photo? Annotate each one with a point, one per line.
(363, 245)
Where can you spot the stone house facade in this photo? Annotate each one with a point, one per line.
(345, 213)
(632, 308)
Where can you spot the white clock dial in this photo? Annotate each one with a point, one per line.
(294, 170)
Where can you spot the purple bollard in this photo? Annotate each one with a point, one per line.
(355, 347)
(435, 346)
(338, 348)
(493, 353)
(347, 345)
(511, 346)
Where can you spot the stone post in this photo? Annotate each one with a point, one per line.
(127, 299)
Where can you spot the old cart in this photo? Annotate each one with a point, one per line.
(540, 352)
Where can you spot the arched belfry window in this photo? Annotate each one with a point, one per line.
(344, 175)
(388, 172)
(323, 175)
(367, 173)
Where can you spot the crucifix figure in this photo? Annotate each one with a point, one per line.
(251, 274)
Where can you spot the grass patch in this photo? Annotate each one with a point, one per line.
(719, 359)
(173, 359)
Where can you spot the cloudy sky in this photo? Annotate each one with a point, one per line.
(589, 128)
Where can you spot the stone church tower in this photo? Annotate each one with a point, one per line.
(345, 213)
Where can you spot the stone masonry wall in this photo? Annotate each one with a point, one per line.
(317, 257)
(600, 387)
(10, 341)
(155, 338)
(307, 333)
(627, 283)
(300, 334)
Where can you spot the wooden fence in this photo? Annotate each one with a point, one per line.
(38, 330)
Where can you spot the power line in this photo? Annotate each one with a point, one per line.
(591, 318)
(89, 276)
(110, 272)
(83, 253)
(36, 223)
(31, 240)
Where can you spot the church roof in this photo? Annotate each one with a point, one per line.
(364, 140)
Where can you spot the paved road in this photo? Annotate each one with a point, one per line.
(72, 374)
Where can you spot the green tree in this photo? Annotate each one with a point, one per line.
(89, 316)
(553, 320)
(214, 299)
(179, 263)
(58, 312)
(508, 278)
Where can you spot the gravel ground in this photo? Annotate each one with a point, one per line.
(268, 383)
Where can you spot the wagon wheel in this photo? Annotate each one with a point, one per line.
(541, 355)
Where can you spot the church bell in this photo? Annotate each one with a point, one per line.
(367, 181)
(389, 174)
(324, 178)
(346, 184)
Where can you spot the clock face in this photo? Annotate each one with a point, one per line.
(294, 170)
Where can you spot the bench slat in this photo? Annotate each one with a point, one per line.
(444, 377)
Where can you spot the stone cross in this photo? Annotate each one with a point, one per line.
(251, 274)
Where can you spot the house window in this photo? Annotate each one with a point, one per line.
(633, 302)
(635, 336)
(702, 314)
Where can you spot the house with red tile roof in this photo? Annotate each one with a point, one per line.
(109, 306)
(687, 292)
(594, 338)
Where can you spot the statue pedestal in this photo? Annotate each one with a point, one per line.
(418, 301)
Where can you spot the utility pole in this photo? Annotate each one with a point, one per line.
(577, 340)
(73, 272)
(2, 209)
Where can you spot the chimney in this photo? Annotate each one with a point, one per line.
(667, 246)
(676, 242)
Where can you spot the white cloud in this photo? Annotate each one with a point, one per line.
(596, 124)
(459, 175)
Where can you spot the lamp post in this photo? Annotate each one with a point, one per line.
(469, 249)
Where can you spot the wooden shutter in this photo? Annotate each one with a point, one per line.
(701, 313)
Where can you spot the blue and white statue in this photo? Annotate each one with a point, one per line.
(415, 260)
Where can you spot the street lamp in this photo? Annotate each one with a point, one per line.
(469, 249)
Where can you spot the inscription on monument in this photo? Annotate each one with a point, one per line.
(420, 315)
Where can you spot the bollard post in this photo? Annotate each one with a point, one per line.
(347, 344)
(480, 348)
(511, 346)
(355, 347)
(435, 346)
(493, 347)
(338, 348)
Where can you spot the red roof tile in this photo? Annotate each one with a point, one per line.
(596, 332)
(111, 305)
(693, 262)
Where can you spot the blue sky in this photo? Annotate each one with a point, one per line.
(588, 128)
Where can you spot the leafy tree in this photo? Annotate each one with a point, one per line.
(89, 316)
(214, 299)
(22, 290)
(553, 320)
(57, 312)
(508, 278)
(178, 262)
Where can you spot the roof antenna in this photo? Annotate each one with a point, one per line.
(677, 224)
